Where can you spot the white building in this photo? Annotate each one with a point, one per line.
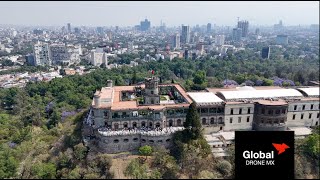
(176, 41)
(74, 53)
(219, 40)
(41, 54)
(97, 58)
(304, 111)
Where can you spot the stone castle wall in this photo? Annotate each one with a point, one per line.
(121, 143)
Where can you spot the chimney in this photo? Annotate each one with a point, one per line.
(109, 83)
(96, 99)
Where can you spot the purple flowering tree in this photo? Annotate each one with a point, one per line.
(228, 82)
(259, 82)
(249, 83)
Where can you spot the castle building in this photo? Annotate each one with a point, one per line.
(123, 118)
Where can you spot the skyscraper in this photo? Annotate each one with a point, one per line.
(41, 54)
(219, 40)
(209, 28)
(265, 53)
(244, 25)
(69, 27)
(236, 34)
(145, 25)
(185, 35)
(176, 41)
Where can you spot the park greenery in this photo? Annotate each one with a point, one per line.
(40, 125)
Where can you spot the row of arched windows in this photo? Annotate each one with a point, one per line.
(134, 124)
(142, 140)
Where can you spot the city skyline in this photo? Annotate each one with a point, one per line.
(170, 13)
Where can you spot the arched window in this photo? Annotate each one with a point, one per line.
(170, 123)
(151, 141)
(212, 121)
(157, 124)
(159, 141)
(150, 124)
(143, 140)
(126, 140)
(204, 121)
(220, 119)
(125, 125)
(135, 139)
(167, 140)
(115, 141)
(179, 122)
(134, 124)
(116, 126)
(143, 124)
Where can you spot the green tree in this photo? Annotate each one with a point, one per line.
(145, 150)
(44, 170)
(224, 167)
(199, 80)
(80, 151)
(193, 126)
(165, 163)
(311, 145)
(205, 174)
(136, 170)
(134, 77)
(8, 164)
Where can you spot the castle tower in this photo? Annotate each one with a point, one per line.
(151, 94)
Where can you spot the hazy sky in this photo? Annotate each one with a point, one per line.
(99, 13)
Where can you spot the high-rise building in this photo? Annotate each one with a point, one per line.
(265, 53)
(100, 30)
(185, 34)
(77, 30)
(236, 34)
(41, 54)
(200, 48)
(69, 27)
(244, 25)
(257, 31)
(278, 26)
(30, 60)
(74, 53)
(209, 28)
(145, 25)
(282, 39)
(219, 40)
(59, 54)
(130, 46)
(98, 57)
(186, 54)
(176, 41)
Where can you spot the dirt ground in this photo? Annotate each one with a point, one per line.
(119, 164)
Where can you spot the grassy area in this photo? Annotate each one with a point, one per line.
(163, 98)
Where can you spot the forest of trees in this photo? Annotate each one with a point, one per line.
(40, 124)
